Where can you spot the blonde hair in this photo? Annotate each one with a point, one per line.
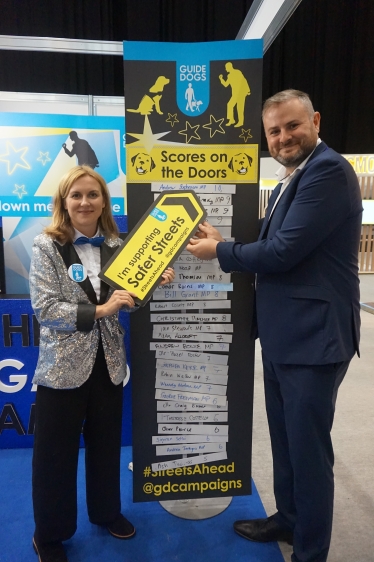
(61, 228)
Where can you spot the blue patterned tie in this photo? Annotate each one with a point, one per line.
(97, 241)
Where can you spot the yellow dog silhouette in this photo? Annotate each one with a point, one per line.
(148, 103)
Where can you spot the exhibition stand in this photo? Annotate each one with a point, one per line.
(199, 119)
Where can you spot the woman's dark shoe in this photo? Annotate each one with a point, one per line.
(50, 551)
(121, 528)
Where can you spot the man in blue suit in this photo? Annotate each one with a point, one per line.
(307, 303)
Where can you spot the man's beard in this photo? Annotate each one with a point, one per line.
(295, 159)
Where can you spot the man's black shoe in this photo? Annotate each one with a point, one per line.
(50, 552)
(263, 530)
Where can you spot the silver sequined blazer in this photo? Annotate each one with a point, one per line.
(65, 309)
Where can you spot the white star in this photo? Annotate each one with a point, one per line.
(11, 161)
(20, 190)
(43, 157)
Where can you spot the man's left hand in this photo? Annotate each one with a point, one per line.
(167, 276)
(204, 249)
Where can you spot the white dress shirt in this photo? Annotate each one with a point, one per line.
(90, 258)
(286, 179)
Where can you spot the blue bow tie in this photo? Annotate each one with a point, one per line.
(97, 241)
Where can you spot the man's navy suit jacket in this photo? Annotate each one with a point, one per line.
(307, 292)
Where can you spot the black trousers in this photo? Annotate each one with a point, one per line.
(300, 405)
(59, 417)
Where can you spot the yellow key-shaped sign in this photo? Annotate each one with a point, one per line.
(154, 243)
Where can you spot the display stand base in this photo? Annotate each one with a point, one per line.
(203, 508)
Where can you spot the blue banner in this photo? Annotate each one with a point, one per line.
(35, 152)
(19, 348)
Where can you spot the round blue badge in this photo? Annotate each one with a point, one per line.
(77, 272)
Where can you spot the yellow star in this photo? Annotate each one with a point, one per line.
(172, 119)
(246, 134)
(190, 132)
(147, 139)
(11, 163)
(20, 190)
(214, 126)
(44, 157)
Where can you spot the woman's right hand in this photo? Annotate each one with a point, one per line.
(117, 300)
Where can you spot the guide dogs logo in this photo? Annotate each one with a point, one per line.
(193, 86)
(77, 272)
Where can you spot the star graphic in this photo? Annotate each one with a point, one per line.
(20, 190)
(246, 134)
(14, 161)
(214, 126)
(147, 139)
(172, 119)
(43, 157)
(190, 132)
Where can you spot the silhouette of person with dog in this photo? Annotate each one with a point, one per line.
(239, 91)
(82, 150)
(190, 97)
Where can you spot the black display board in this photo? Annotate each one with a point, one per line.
(190, 469)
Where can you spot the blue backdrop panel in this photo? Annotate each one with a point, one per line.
(35, 152)
(19, 347)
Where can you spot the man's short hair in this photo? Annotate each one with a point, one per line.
(287, 95)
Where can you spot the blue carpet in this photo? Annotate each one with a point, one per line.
(160, 537)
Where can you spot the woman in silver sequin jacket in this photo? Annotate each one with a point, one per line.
(81, 365)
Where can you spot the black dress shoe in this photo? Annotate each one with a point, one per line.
(263, 530)
(121, 528)
(50, 551)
